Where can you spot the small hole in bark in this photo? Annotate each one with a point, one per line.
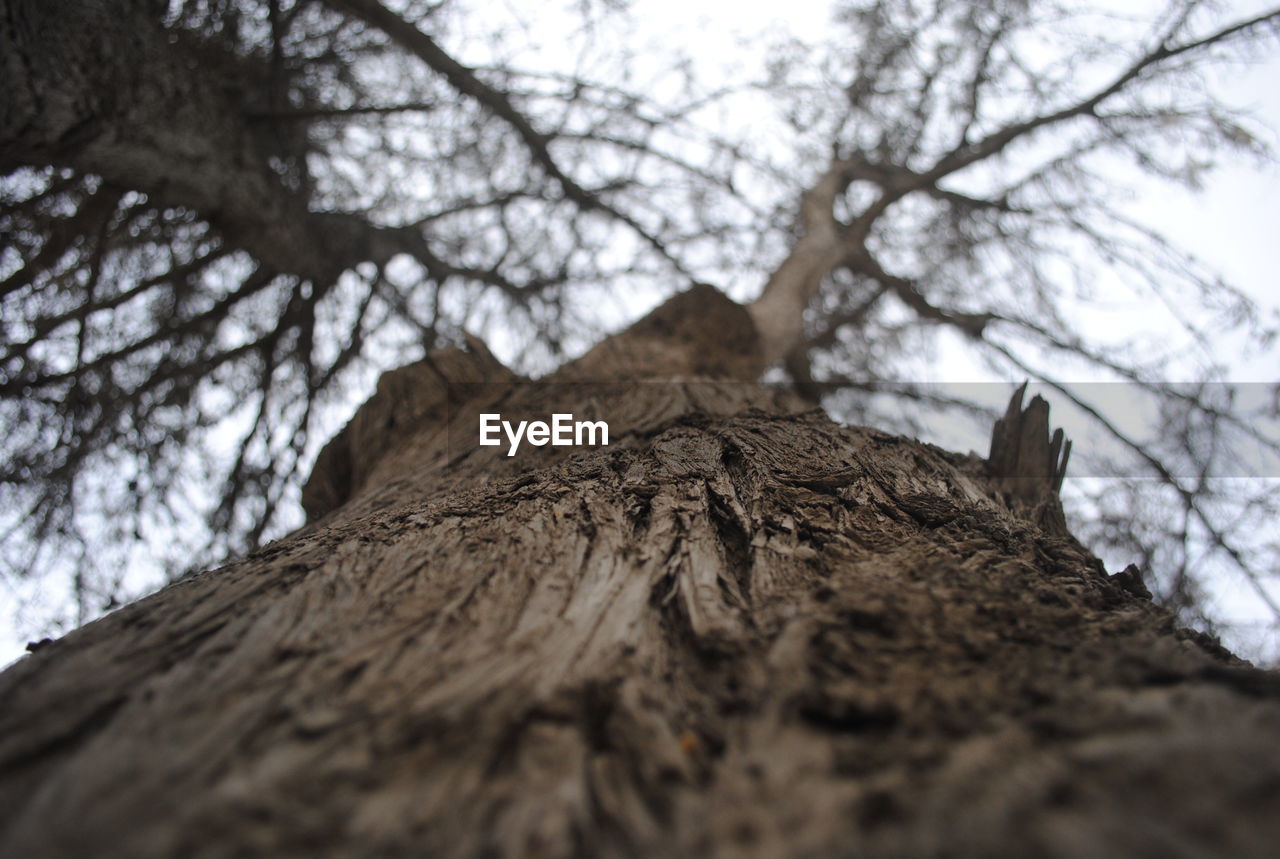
(878, 809)
(1048, 597)
(1061, 793)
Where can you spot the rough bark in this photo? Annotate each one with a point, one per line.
(741, 630)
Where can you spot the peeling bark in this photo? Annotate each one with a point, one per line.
(742, 630)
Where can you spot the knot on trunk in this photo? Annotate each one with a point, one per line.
(405, 401)
(698, 333)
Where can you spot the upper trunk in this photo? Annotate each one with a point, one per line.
(740, 630)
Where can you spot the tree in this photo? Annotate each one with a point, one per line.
(220, 223)
(740, 629)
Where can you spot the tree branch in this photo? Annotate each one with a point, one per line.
(465, 81)
(995, 142)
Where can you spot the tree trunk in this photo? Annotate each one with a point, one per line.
(738, 630)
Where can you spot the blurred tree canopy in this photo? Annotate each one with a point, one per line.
(223, 218)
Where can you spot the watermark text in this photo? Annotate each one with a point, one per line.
(562, 431)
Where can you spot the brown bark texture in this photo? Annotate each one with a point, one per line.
(739, 630)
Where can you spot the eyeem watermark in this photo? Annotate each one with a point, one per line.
(561, 432)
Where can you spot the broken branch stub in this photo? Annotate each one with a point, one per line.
(1027, 463)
